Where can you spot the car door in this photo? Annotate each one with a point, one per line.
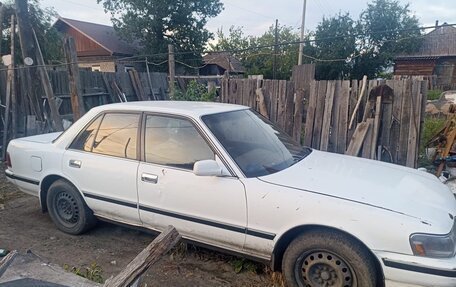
(208, 209)
(103, 161)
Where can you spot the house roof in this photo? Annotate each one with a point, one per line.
(441, 42)
(103, 35)
(225, 60)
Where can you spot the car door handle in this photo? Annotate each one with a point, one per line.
(149, 178)
(75, 163)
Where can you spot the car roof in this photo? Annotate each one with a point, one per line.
(193, 109)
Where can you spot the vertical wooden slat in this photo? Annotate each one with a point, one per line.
(311, 110)
(297, 118)
(352, 103)
(405, 123)
(319, 112)
(281, 99)
(274, 100)
(325, 130)
(343, 117)
(334, 126)
(367, 145)
(415, 115)
(289, 110)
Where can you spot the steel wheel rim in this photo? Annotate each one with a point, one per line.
(319, 268)
(66, 208)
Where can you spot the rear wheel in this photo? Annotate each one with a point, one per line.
(329, 259)
(67, 208)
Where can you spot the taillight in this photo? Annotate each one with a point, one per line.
(8, 160)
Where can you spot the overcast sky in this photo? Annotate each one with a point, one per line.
(257, 15)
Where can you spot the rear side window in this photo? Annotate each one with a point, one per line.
(84, 141)
(114, 134)
(117, 136)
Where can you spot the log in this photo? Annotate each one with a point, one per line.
(77, 102)
(5, 262)
(358, 139)
(150, 255)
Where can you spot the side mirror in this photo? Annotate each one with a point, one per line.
(207, 168)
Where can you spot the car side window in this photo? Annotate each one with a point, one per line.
(84, 141)
(117, 135)
(174, 142)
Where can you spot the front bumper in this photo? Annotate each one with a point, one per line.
(409, 270)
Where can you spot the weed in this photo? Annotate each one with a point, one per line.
(94, 272)
(432, 125)
(242, 264)
(433, 94)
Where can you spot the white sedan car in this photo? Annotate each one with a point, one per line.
(227, 178)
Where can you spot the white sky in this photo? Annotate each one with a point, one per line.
(257, 15)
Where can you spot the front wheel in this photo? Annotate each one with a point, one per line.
(67, 208)
(330, 259)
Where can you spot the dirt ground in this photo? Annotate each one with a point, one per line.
(23, 227)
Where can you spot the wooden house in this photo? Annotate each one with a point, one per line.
(98, 47)
(435, 59)
(219, 63)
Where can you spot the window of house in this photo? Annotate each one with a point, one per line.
(117, 135)
(174, 142)
(96, 68)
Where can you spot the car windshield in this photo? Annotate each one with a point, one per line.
(256, 145)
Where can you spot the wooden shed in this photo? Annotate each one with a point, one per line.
(436, 58)
(98, 46)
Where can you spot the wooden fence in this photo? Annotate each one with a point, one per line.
(387, 124)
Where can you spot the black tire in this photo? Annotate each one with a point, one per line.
(325, 258)
(67, 208)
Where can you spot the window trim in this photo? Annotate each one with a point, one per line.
(198, 128)
(102, 115)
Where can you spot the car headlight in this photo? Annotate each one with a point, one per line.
(434, 246)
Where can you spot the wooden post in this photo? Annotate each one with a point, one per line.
(172, 72)
(151, 254)
(149, 81)
(28, 51)
(7, 112)
(13, 80)
(57, 124)
(77, 101)
(363, 88)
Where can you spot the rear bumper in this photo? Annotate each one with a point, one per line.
(27, 185)
(408, 270)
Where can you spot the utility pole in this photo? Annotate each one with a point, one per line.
(172, 71)
(2, 9)
(303, 24)
(276, 46)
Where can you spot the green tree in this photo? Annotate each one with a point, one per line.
(157, 23)
(257, 53)
(386, 29)
(41, 20)
(334, 46)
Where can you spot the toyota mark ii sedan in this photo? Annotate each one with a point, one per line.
(227, 178)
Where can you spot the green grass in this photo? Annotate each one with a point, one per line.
(434, 94)
(432, 125)
(93, 272)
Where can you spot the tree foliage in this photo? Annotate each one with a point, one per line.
(257, 53)
(341, 47)
(157, 23)
(41, 20)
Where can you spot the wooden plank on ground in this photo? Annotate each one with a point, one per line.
(311, 110)
(343, 117)
(326, 126)
(319, 112)
(357, 140)
(150, 255)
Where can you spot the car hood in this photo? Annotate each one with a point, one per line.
(378, 184)
(44, 138)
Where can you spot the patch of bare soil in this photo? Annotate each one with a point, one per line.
(23, 227)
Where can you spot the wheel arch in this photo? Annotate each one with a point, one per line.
(286, 238)
(44, 187)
